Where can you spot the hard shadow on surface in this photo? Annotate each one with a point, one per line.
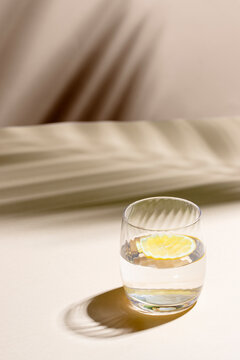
(110, 315)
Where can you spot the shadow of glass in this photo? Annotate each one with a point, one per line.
(110, 315)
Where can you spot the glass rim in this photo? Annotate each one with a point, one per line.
(161, 198)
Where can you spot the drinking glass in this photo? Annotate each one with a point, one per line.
(162, 256)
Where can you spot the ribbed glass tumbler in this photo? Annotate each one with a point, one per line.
(162, 254)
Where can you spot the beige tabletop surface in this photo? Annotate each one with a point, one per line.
(62, 192)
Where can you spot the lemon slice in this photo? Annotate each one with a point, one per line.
(167, 246)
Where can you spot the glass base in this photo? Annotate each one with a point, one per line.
(160, 308)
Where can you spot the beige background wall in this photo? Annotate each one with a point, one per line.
(118, 59)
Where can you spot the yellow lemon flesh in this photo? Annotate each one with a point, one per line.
(167, 246)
